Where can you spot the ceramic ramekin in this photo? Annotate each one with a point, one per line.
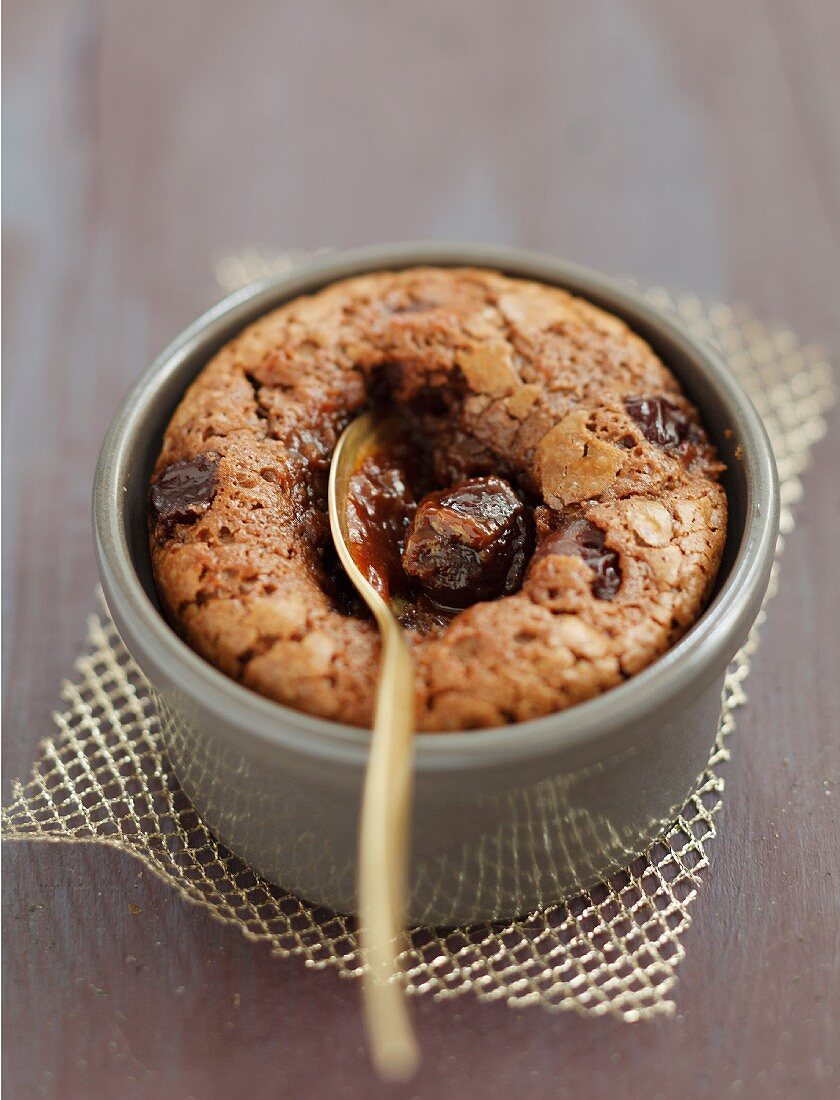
(505, 819)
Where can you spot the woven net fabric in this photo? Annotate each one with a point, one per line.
(104, 778)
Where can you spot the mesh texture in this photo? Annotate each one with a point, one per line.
(105, 779)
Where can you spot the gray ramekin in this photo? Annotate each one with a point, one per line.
(506, 819)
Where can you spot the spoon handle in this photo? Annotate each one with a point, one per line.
(383, 858)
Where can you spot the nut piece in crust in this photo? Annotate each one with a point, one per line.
(651, 523)
(575, 464)
(488, 368)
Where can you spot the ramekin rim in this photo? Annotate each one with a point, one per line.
(701, 652)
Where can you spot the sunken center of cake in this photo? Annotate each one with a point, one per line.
(550, 521)
(443, 550)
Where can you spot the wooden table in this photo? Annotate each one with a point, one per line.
(691, 145)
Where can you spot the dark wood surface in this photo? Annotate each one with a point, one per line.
(691, 145)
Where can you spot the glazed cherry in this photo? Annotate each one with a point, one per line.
(578, 537)
(469, 543)
(185, 490)
(662, 422)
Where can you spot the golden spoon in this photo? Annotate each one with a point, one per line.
(386, 800)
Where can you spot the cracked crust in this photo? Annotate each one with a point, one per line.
(502, 376)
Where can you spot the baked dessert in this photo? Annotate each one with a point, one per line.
(551, 519)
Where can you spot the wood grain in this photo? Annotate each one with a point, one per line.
(695, 146)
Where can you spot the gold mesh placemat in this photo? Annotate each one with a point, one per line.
(105, 778)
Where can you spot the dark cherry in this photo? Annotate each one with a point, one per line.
(576, 536)
(661, 421)
(185, 490)
(469, 543)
